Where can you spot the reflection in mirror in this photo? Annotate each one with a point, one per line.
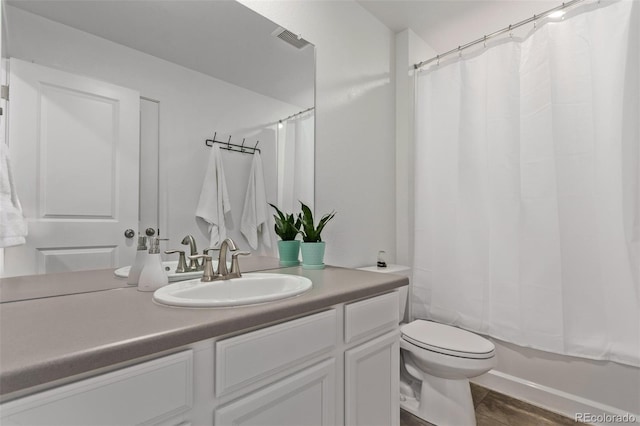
(112, 103)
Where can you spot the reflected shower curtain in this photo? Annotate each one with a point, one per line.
(295, 163)
(527, 188)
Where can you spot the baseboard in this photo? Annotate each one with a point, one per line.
(555, 400)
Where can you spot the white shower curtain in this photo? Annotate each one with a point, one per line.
(295, 163)
(527, 188)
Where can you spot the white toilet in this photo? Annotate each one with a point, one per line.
(443, 359)
(437, 362)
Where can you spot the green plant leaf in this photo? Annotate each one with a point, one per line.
(286, 225)
(311, 233)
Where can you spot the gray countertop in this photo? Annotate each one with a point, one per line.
(55, 337)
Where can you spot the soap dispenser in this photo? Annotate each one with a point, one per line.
(153, 275)
(138, 263)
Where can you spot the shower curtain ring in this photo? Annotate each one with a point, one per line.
(510, 32)
(534, 22)
(485, 41)
(459, 52)
(438, 60)
(229, 143)
(242, 147)
(255, 148)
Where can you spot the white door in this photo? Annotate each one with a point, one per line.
(74, 145)
(372, 382)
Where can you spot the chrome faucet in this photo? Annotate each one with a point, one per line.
(227, 244)
(182, 263)
(223, 272)
(194, 265)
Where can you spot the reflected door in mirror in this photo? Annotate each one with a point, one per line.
(74, 142)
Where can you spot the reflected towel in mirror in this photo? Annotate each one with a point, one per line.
(13, 226)
(214, 204)
(254, 214)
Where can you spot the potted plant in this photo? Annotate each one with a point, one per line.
(312, 244)
(287, 227)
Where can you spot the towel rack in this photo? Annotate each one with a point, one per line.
(233, 146)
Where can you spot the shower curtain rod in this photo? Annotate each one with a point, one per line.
(296, 114)
(499, 32)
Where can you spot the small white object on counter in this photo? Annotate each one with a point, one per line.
(138, 263)
(153, 275)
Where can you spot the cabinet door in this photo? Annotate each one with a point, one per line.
(372, 382)
(146, 393)
(306, 398)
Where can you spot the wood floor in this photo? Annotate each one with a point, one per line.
(496, 409)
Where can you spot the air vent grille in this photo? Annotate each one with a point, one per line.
(291, 38)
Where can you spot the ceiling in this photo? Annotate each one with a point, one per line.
(223, 39)
(446, 24)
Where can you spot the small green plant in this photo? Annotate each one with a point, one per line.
(287, 225)
(311, 233)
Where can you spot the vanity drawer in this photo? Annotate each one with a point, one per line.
(250, 357)
(141, 394)
(369, 316)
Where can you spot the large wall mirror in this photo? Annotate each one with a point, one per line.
(111, 105)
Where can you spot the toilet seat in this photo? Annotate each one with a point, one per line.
(447, 340)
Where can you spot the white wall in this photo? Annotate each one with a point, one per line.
(192, 107)
(355, 148)
(410, 49)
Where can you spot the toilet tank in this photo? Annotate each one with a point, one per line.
(403, 291)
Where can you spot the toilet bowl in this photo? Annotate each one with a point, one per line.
(437, 361)
(442, 359)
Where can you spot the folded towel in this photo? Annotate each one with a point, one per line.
(13, 226)
(254, 214)
(214, 203)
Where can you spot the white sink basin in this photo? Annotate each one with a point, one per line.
(251, 288)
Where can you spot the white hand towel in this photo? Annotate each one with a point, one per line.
(254, 214)
(13, 226)
(214, 202)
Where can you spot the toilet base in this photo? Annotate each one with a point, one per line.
(410, 405)
(443, 402)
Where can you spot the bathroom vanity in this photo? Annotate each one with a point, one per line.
(326, 357)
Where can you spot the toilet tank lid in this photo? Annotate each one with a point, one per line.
(446, 337)
(390, 269)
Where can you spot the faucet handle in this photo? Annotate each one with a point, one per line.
(235, 265)
(209, 274)
(182, 262)
(207, 250)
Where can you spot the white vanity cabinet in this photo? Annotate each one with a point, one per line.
(336, 367)
(372, 374)
(297, 363)
(305, 398)
(153, 392)
(372, 366)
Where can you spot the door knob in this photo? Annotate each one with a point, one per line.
(129, 233)
(150, 232)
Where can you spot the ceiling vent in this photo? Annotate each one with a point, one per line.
(289, 37)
